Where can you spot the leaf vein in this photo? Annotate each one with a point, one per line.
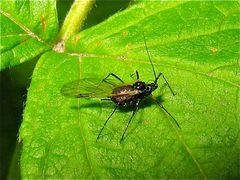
(81, 129)
(121, 58)
(24, 28)
(189, 151)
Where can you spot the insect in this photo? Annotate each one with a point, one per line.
(122, 94)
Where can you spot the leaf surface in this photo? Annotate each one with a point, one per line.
(195, 45)
(27, 30)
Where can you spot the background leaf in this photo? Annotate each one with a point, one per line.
(196, 46)
(27, 30)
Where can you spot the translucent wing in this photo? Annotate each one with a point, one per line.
(90, 88)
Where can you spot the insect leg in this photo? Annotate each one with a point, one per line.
(134, 112)
(161, 74)
(167, 113)
(137, 75)
(105, 124)
(105, 99)
(114, 75)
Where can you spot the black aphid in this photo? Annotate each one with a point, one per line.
(120, 93)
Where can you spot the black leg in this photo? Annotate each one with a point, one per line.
(110, 74)
(105, 124)
(137, 75)
(134, 112)
(161, 74)
(105, 99)
(167, 113)
(114, 75)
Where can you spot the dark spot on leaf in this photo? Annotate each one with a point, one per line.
(43, 23)
(214, 50)
(124, 33)
(75, 39)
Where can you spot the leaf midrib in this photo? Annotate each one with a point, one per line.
(120, 59)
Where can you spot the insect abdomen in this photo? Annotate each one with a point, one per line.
(124, 95)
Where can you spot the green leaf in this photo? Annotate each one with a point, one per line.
(27, 29)
(195, 45)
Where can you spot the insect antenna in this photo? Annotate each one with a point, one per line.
(154, 72)
(146, 47)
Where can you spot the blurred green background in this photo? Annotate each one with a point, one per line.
(15, 81)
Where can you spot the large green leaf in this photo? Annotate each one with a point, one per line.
(195, 45)
(27, 29)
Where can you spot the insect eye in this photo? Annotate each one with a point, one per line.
(139, 87)
(149, 88)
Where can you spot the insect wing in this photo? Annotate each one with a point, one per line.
(89, 88)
